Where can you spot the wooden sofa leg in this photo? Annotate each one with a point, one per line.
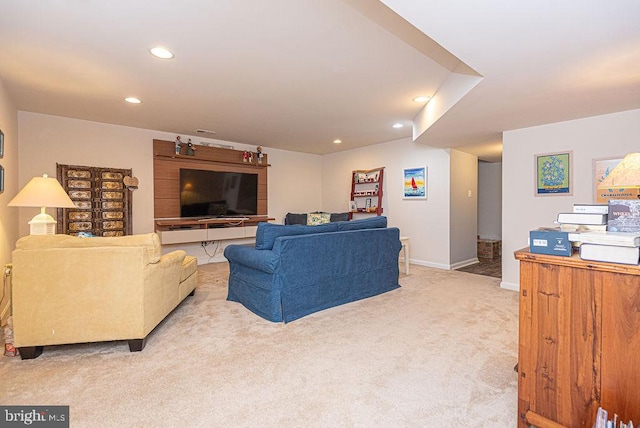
(30, 352)
(137, 345)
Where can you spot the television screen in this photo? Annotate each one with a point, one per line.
(217, 194)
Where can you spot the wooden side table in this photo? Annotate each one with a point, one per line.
(405, 252)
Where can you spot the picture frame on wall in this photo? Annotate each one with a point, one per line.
(1, 179)
(414, 183)
(1, 144)
(601, 169)
(553, 174)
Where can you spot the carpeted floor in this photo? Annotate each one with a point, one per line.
(439, 351)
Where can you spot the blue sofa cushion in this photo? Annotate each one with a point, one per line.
(378, 222)
(267, 232)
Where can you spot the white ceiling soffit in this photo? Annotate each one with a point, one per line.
(541, 61)
(461, 80)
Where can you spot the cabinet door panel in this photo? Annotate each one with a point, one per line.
(561, 345)
(621, 345)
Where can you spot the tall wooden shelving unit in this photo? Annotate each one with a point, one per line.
(366, 189)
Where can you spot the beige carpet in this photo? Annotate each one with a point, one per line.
(437, 352)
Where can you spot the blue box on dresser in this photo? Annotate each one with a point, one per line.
(549, 241)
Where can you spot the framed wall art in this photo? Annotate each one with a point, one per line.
(414, 183)
(553, 172)
(1, 144)
(601, 169)
(1, 179)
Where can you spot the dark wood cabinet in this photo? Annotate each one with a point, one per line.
(579, 340)
(103, 201)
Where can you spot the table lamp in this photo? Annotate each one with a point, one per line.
(42, 192)
(623, 182)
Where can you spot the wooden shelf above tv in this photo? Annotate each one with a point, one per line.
(166, 173)
(219, 155)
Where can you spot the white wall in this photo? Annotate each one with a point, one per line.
(297, 182)
(463, 230)
(589, 138)
(294, 178)
(8, 215)
(490, 200)
(425, 222)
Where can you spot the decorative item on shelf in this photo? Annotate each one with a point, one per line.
(250, 160)
(130, 183)
(245, 156)
(191, 149)
(178, 145)
(42, 192)
(259, 155)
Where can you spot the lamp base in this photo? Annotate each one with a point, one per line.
(42, 224)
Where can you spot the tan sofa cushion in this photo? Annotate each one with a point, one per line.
(189, 266)
(150, 242)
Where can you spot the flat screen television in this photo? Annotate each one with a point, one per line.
(206, 193)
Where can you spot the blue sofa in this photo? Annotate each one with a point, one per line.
(296, 270)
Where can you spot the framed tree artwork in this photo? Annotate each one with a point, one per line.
(553, 174)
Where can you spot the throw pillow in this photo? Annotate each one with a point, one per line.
(314, 219)
(339, 217)
(293, 218)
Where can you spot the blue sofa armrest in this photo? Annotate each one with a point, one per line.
(264, 260)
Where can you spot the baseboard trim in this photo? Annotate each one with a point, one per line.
(465, 263)
(510, 286)
(429, 264)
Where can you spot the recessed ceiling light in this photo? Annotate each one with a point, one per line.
(421, 99)
(161, 52)
(132, 100)
(398, 125)
(336, 141)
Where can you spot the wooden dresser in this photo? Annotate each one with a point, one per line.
(579, 344)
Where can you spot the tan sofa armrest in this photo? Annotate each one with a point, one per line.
(161, 288)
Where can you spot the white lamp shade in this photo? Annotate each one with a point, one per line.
(42, 192)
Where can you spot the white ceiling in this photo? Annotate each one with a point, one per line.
(297, 74)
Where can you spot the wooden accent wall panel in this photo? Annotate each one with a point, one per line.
(166, 173)
(579, 340)
(103, 203)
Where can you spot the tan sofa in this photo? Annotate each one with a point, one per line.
(75, 290)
